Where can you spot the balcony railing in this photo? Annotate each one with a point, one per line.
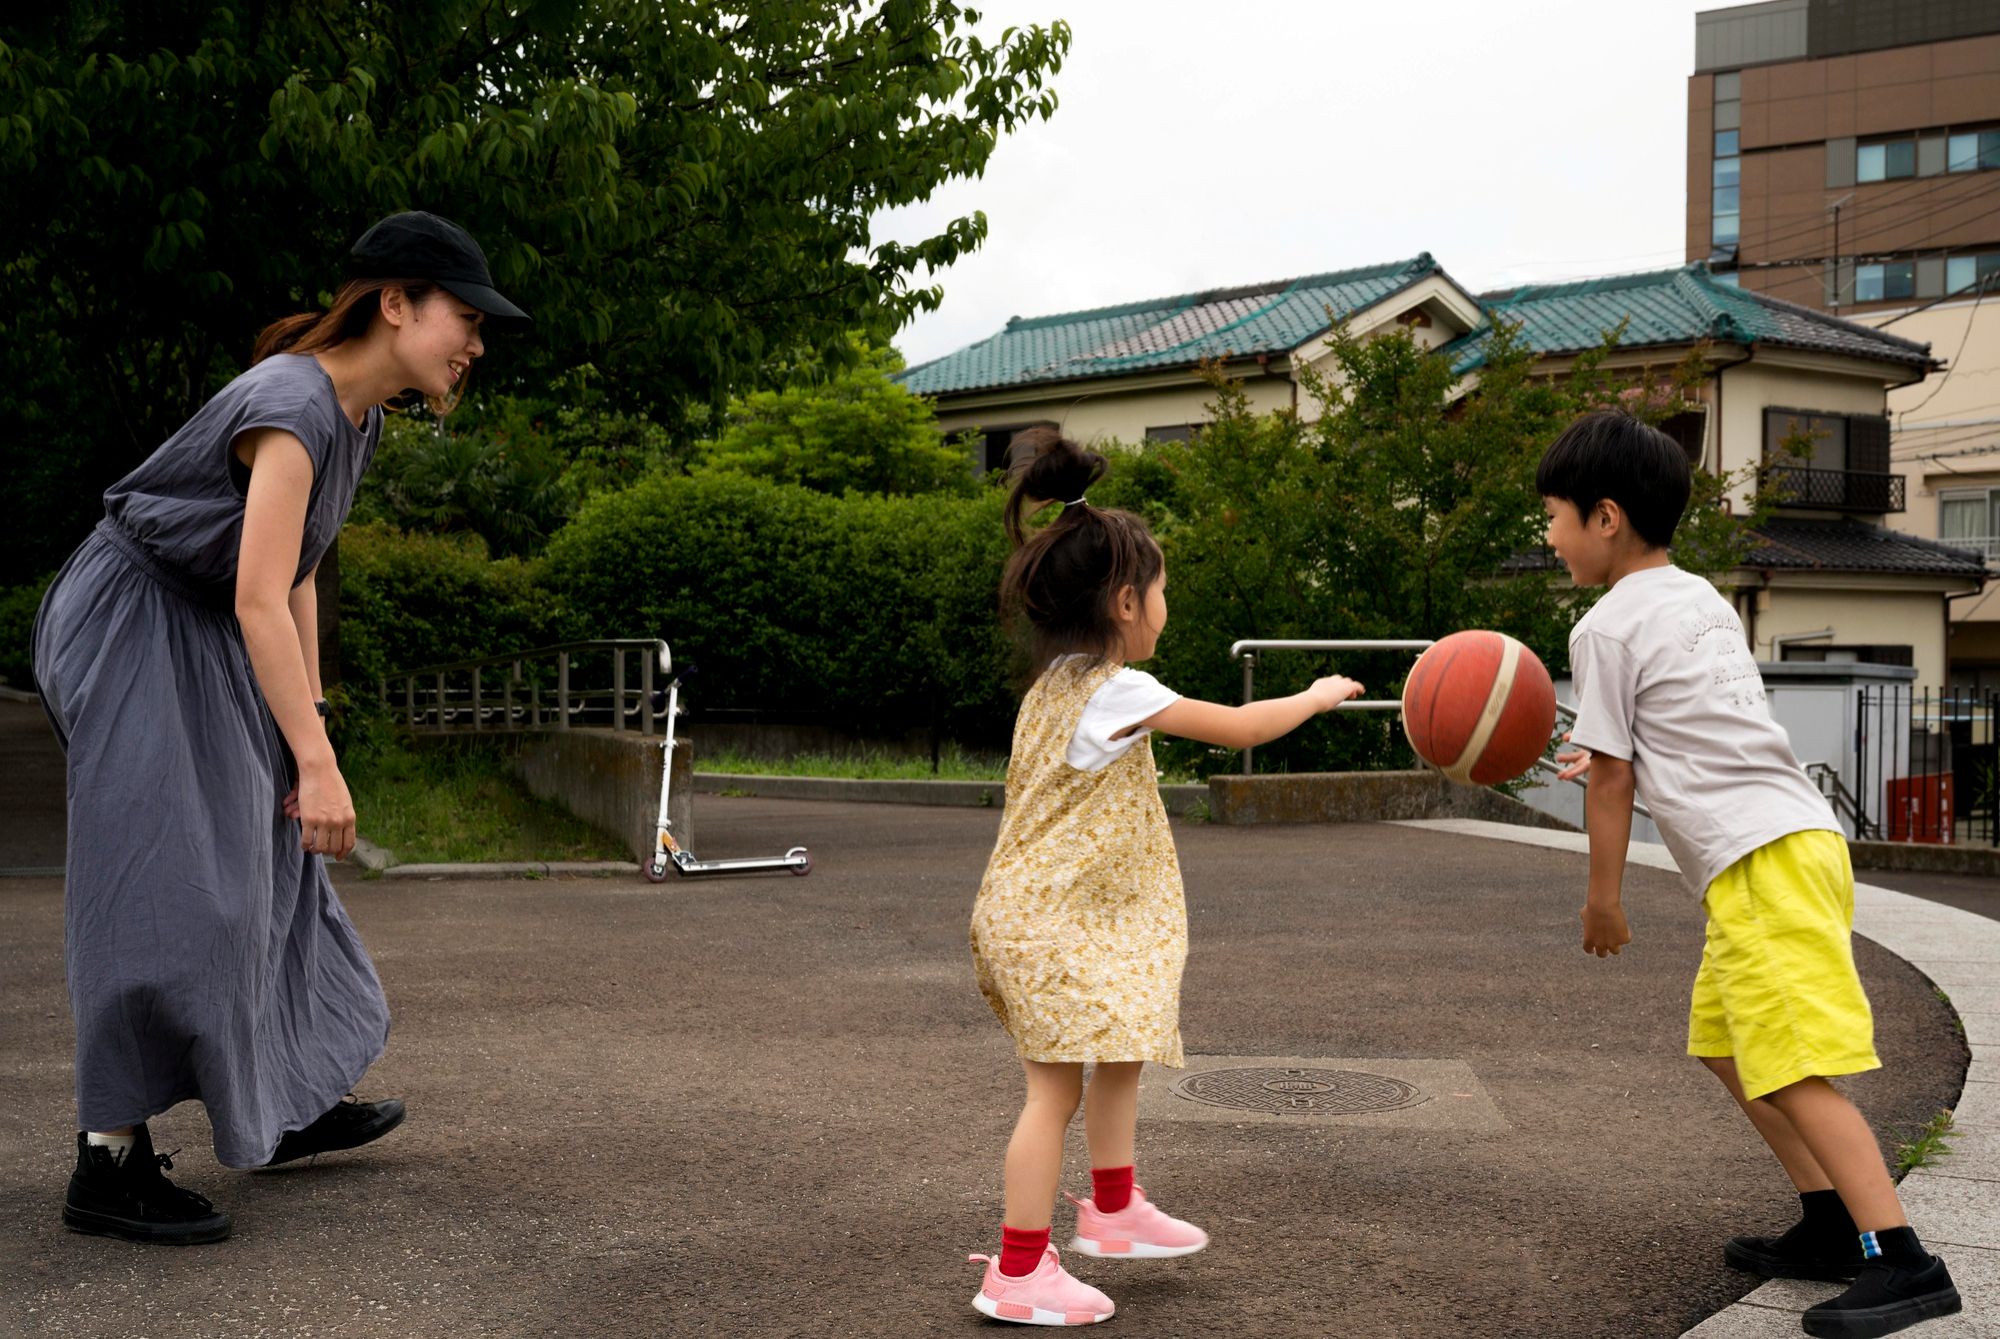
(1985, 547)
(1833, 490)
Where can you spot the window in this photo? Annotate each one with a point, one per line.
(1729, 87)
(1177, 432)
(1727, 199)
(1830, 462)
(1724, 233)
(1729, 280)
(1785, 431)
(996, 444)
(1972, 150)
(1726, 214)
(1969, 518)
(1891, 279)
(1725, 144)
(1728, 171)
(1887, 161)
(1961, 273)
(1688, 427)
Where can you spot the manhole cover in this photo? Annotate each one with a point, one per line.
(1319, 1092)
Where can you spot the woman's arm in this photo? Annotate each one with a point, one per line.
(304, 603)
(1253, 723)
(274, 517)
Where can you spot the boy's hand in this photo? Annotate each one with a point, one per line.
(1333, 690)
(1578, 760)
(1604, 929)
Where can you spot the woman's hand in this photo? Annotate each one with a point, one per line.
(325, 811)
(1333, 690)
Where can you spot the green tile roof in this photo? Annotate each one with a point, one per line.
(1676, 307)
(1668, 308)
(1169, 332)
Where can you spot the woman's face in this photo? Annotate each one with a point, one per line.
(436, 341)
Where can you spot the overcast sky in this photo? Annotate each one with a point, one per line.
(1202, 144)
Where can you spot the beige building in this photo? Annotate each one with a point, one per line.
(1826, 581)
(1845, 155)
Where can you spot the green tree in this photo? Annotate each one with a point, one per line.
(853, 431)
(676, 189)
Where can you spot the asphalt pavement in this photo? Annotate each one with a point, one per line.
(777, 1106)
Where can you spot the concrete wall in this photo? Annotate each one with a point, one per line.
(1360, 797)
(610, 778)
(1859, 616)
(1105, 411)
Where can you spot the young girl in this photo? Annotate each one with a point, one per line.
(1080, 932)
(178, 657)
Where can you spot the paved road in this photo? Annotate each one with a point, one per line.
(777, 1107)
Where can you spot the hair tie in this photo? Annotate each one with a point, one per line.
(1079, 502)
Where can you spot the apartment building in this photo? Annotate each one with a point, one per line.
(1845, 155)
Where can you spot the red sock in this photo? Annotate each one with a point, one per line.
(1111, 1188)
(1021, 1250)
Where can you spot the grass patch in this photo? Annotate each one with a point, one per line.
(954, 764)
(1930, 1145)
(458, 802)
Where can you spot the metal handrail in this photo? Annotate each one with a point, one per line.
(1247, 650)
(429, 703)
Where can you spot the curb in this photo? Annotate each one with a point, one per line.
(518, 869)
(1955, 1203)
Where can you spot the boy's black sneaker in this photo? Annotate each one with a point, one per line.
(1795, 1257)
(349, 1125)
(1886, 1298)
(134, 1200)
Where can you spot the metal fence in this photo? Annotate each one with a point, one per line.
(1925, 769)
(606, 683)
(1248, 651)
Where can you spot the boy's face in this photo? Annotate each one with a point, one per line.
(1586, 544)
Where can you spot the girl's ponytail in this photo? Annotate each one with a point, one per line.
(1063, 580)
(1050, 468)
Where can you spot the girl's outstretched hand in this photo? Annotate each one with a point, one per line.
(1334, 689)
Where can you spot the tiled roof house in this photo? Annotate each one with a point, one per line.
(1826, 566)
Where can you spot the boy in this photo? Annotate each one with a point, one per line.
(1670, 704)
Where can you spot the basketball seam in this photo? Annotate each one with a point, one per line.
(1489, 719)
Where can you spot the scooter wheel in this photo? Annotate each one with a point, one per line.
(802, 864)
(656, 870)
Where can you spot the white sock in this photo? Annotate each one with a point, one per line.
(119, 1144)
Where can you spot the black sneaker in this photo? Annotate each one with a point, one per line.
(134, 1200)
(349, 1125)
(1795, 1257)
(1885, 1299)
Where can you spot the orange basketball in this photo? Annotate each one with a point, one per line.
(1479, 707)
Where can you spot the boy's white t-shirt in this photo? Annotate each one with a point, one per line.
(1663, 678)
(1120, 702)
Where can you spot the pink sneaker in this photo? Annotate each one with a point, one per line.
(1049, 1296)
(1139, 1231)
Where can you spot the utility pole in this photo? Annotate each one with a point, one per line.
(1835, 208)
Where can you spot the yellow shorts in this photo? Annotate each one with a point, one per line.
(1777, 988)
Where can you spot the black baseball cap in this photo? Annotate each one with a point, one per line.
(416, 245)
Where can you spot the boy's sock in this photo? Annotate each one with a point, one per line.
(1021, 1250)
(1894, 1246)
(1110, 1188)
(1822, 1218)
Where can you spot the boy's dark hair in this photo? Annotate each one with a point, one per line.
(1610, 454)
(1062, 579)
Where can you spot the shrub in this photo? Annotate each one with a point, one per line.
(878, 612)
(413, 600)
(17, 627)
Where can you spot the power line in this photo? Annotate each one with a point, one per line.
(1952, 366)
(1870, 213)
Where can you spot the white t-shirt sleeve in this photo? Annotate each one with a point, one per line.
(1125, 699)
(1606, 678)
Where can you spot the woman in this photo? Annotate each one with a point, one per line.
(177, 654)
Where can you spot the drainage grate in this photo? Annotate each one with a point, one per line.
(1305, 1092)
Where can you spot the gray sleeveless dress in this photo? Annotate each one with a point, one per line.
(208, 956)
